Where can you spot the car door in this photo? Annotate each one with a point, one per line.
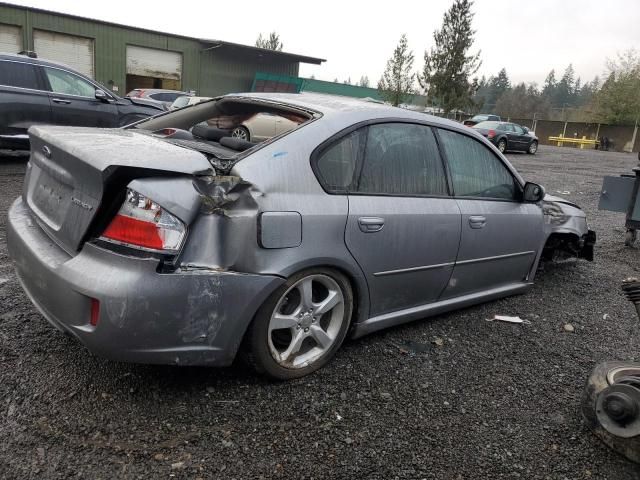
(501, 234)
(23, 101)
(284, 124)
(262, 126)
(403, 228)
(521, 137)
(73, 101)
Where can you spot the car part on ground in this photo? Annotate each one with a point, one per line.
(36, 92)
(611, 399)
(620, 194)
(508, 136)
(228, 234)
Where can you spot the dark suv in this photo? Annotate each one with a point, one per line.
(35, 92)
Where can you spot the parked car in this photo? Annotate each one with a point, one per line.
(481, 117)
(36, 92)
(508, 136)
(262, 126)
(186, 100)
(163, 97)
(171, 242)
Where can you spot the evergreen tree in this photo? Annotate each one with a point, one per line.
(271, 43)
(396, 84)
(447, 66)
(364, 81)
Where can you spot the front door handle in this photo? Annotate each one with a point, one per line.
(477, 221)
(370, 224)
(61, 100)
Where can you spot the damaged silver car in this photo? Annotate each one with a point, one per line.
(173, 242)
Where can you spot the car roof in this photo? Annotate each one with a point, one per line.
(39, 61)
(332, 105)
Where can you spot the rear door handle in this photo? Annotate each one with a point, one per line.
(61, 100)
(477, 221)
(370, 224)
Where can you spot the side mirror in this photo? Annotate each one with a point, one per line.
(100, 95)
(533, 192)
(526, 130)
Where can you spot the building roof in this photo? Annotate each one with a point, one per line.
(214, 43)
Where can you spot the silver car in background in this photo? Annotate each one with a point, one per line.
(173, 242)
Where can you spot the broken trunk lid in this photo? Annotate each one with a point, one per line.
(70, 168)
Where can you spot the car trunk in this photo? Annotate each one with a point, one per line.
(72, 172)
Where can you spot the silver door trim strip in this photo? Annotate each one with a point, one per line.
(496, 257)
(449, 264)
(413, 269)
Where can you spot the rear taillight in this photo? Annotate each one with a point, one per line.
(95, 312)
(142, 223)
(491, 134)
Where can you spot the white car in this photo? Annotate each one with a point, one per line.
(262, 126)
(185, 101)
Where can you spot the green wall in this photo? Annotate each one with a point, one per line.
(207, 71)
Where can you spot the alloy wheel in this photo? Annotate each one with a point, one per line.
(306, 322)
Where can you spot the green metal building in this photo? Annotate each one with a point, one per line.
(122, 57)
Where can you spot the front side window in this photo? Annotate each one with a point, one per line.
(475, 170)
(336, 165)
(68, 83)
(402, 159)
(518, 129)
(16, 74)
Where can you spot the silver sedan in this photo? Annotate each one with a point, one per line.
(173, 242)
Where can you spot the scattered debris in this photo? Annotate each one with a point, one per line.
(569, 328)
(177, 466)
(158, 456)
(385, 395)
(343, 396)
(563, 192)
(508, 319)
(605, 316)
(438, 341)
(338, 417)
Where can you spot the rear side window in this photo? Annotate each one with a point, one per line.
(16, 74)
(402, 159)
(336, 165)
(475, 170)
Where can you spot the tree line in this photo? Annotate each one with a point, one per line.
(447, 79)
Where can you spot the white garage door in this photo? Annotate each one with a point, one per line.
(10, 39)
(149, 62)
(76, 52)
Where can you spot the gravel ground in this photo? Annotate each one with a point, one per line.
(494, 400)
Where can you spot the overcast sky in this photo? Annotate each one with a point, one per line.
(528, 37)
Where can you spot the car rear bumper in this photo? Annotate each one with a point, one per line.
(190, 318)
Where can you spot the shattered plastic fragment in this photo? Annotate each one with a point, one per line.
(506, 318)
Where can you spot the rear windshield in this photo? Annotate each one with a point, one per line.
(233, 123)
(480, 118)
(489, 125)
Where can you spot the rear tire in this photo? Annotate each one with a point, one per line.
(301, 325)
(502, 145)
(533, 148)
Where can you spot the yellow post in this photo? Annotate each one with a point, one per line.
(582, 143)
(560, 143)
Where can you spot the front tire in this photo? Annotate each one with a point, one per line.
(502, 145)
(533, 148)
(301, 326)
